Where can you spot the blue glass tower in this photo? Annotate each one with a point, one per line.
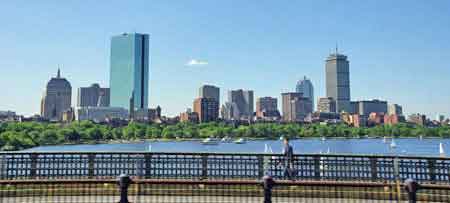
(129, 71)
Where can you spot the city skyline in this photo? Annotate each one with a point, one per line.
(395, 69)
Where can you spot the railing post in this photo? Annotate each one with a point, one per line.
(411, 186)
(148, 162)
(268, 184)
(260, 166)
(432, 170)
(91, 163)
(124, 182)
(317, 167)
(204, 166)
(33, 165)
(373, 168)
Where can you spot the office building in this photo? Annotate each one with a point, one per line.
(244, 102)
(57, 98)
(100, 114)
(305, 87)
(295, 107)
(129, 71)
(364, 108)
(93, 96)
(230, 111)
(266, 107)
(338, 80)
(326, 105)
(207, 109)
(395, 109)
(209, 91)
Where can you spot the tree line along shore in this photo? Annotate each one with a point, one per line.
(24, 135)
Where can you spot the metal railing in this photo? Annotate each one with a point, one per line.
(221, 166)
(210, 191)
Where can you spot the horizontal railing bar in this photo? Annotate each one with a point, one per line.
(227, 154)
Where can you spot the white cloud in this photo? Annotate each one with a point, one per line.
(195, 62)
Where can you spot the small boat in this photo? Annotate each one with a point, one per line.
(328, 150)
(226, 139)
(281, 138)
(210, 141)
(393, 144)
(441, 149)
(421, 137)
(239, 141)
(149, 147)
(323, 139)
(384, 139)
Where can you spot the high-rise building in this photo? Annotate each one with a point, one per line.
(230, 111)
(244, 102)
(57, 98)
(209, 91)
(305, 87)
(417, 119)
(364, 108)
(395, 109)
(326, 105)
(93, 96)
(207, 109)
(129, 71)
(267, 107)
(295, 106)
(338, 80)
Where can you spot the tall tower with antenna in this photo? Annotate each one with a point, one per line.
(337, 70)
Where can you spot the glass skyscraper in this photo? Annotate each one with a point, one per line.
(129, 71)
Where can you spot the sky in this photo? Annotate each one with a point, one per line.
(399, 50)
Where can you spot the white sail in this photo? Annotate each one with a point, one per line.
(441, 149)
(149, 147)
(393, 144)
(384, 139)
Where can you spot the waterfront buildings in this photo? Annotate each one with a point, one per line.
(207, 109)
(267, 109)
(93, 96)
(230, 111)
(326, 105)
(395, 109)
(189, 116)
(364, 108)
(129, 72)
(244, 102)
(338, 80)
(418, 119)
(100, 114)
(56, 99)
(295, 107)
(305, 87)
(209, 91)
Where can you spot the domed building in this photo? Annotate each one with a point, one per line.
(56, 99)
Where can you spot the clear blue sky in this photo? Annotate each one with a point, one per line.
(398, 50)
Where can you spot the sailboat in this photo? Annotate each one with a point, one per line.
(393, 144)
(323, 138)
(384, 139)
(149, 147)
(441, 149)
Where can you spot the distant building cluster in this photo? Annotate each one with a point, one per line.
(127, 97)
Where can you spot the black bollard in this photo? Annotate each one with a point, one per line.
(268, 184)
(124, 182)
(411, 186)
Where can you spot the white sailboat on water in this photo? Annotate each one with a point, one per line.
(393, 144)
(149, 147)
(441, 149)
(384, 139)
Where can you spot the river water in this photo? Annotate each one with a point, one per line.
(404, 146)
